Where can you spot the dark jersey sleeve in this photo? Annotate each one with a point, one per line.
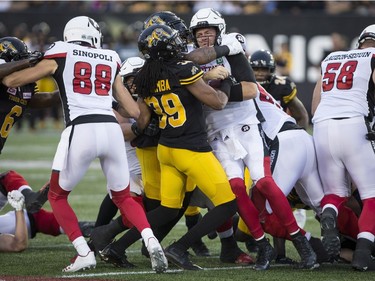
(241, 69)
(282, 89)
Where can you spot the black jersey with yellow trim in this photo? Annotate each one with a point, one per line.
(13, 103)
(181, 118)
(282, 88)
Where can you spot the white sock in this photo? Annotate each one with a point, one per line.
(81, 246)
(147, 234)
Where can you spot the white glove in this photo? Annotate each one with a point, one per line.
(234, 45)
(16, 199)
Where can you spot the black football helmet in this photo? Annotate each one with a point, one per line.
(13, 49)
(160, 42)
(265, 60)
(170, 19)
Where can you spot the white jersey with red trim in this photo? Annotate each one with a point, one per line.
(347, 85)
(272, 112)
(234, 113)
(86, 82)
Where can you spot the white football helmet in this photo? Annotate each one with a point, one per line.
(83, 29)
(131, 66)
(208, 17)
(367, 33)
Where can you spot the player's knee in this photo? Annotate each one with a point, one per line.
(55, 190)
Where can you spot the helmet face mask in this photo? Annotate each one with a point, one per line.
(208, 17)
(263, 59)
(160, 42)
(13, 49)
(83, 29)
(170, 19)
(367, 34)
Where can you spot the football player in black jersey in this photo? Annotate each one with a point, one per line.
(174, 90)
(14, 56)
(282, 88)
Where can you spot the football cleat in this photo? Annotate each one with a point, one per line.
(86, 228)
(159, 262)
(304, 249)
(330, 234)
(362, 258)
(266, 253)
(100, 238)
(108, 255)
(81, 263)
(200, 249)
(180, 257)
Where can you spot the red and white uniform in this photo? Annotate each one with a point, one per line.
(293, 160)
(85, 77)
(339, 123)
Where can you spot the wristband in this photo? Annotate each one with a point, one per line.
(236, 93)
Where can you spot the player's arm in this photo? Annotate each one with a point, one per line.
(10, 67)
(18, 241)
(317, 95)
(216, 99)
(127, 106)
(125, 125)
(299, 112)
(44, 68)
(242, 72)
(144, 116)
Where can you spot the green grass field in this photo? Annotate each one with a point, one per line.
(31, 155)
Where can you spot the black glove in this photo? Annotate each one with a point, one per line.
(227, 84)
(35, 57)
(370, 136)
(153, 128)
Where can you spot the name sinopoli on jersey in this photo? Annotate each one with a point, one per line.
(92, 55)
(349, 56)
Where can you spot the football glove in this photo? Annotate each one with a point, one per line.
(235, 47)
(16, 199)
(153, 128)
(35, 57)
(370, 136)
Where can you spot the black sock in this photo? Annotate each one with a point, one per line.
(190, 221)
(157, 218)
(150, 204)
(107, 211)
(213, 219)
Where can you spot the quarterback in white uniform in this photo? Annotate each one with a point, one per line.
(343, 107)
(88, 77)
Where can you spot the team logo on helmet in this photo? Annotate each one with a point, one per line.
(7, 45)
(154, 20)
(157, 35)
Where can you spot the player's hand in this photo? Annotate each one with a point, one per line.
(217, 73)
(16, 199)
(153, 128)
(235, 47)
(370, 136)
(35, 57)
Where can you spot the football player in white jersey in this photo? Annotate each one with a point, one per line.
(88, 77)
(236, 137)
(343, 107)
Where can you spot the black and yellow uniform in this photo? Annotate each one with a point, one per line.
(282, 89)
(13, 103)
(183, 149)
